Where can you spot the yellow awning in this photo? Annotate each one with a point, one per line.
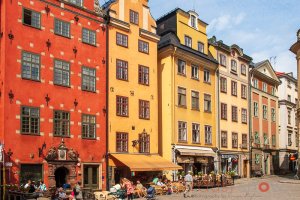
(142, 162)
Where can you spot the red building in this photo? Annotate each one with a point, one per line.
(53, 91)
(264, 119)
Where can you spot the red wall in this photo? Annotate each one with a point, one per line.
(30, 93)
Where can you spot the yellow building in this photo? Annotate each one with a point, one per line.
(233, 108)
(187, 92)
(132, 91)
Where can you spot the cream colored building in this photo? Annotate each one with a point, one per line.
(233, 108)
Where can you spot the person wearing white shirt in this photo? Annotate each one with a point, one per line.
(188, 179)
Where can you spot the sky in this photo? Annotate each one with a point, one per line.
(263, 28)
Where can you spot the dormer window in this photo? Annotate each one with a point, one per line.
(193, 21)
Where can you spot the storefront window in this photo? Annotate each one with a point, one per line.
(31, 172)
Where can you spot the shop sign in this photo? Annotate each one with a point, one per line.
(8, 164)
(230, 156)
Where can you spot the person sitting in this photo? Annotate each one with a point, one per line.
(66, 185)
(42, 187)
(61, 194)
(150, 192)
(32, 187)
(140, 189)
(27, 184)
(160, 183)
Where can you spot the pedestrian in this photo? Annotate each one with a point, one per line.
(27, 184)
(42, 187)
(188, 179)
(77, 191)
(129, 188)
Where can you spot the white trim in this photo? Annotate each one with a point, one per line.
(193, 148)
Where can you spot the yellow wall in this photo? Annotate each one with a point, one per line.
(124, 88)
(169, 81)
(183, 29)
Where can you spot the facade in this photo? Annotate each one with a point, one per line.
(295, 48)
(233, 108)
(288, 132)
(53, 92)
(187, 92)
(264, 119)
(133, 90)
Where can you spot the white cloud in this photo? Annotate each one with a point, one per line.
(225, 21)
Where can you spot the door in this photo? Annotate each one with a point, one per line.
(91, 176)
(245, 168)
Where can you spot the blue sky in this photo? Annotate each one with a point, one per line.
(263, 28)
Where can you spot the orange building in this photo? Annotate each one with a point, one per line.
(264, 119)
(53, 92)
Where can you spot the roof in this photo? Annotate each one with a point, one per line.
(287, 76)
(171, 38)
(172, 13)
(219, 43)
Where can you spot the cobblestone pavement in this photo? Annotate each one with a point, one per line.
(265, 188)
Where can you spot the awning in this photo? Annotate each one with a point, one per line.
(196, 152)
(141, 162)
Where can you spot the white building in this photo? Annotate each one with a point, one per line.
(288, 133)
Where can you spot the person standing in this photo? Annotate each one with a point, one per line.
(188, 179)
(77, 191)
(129, 188)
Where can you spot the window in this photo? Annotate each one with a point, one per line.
(257, 159)
(243, 69)
(182, 137)
(195, 72)
(61, 73)
(193, 21)
(234, 140)
(244, 116)
(91, 176)
(30, 120)
(206, 76)
(223, 111)
(62, 28)
(88, 126)
(255, 109)
(273, 113)
(134, 17)
(88, 79)
(208, 138)
(233, 66)
(143, 75)
(223, 84)
(256, 138)
(31, 66)
(201, 47)
(144, 143)
(244, 91)
(265, 112)
(273, 91)
(31, 18)
(297, 139)
(33, 172)
(122, 70)
(289, 84)
(266, 139)
(181, 96)
(76, 2)
(143, 46)
(181, 67)
(196, 133)
(122, 106)
(61, 123)
(144, 109)
(255, 83)
(188, 41)
(122, 40)
(222, 60)
(234, 114)
(207, 103)
(195, 100)
(289, 117)
(289, 98)
(122, 142)
(224, 138)
(88, 36)
(290, 138)
(244, 141)
(233, 88)
(265, 87)
(273, 140)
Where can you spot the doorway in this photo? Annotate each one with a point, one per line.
(245, 168)
(61, 175)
